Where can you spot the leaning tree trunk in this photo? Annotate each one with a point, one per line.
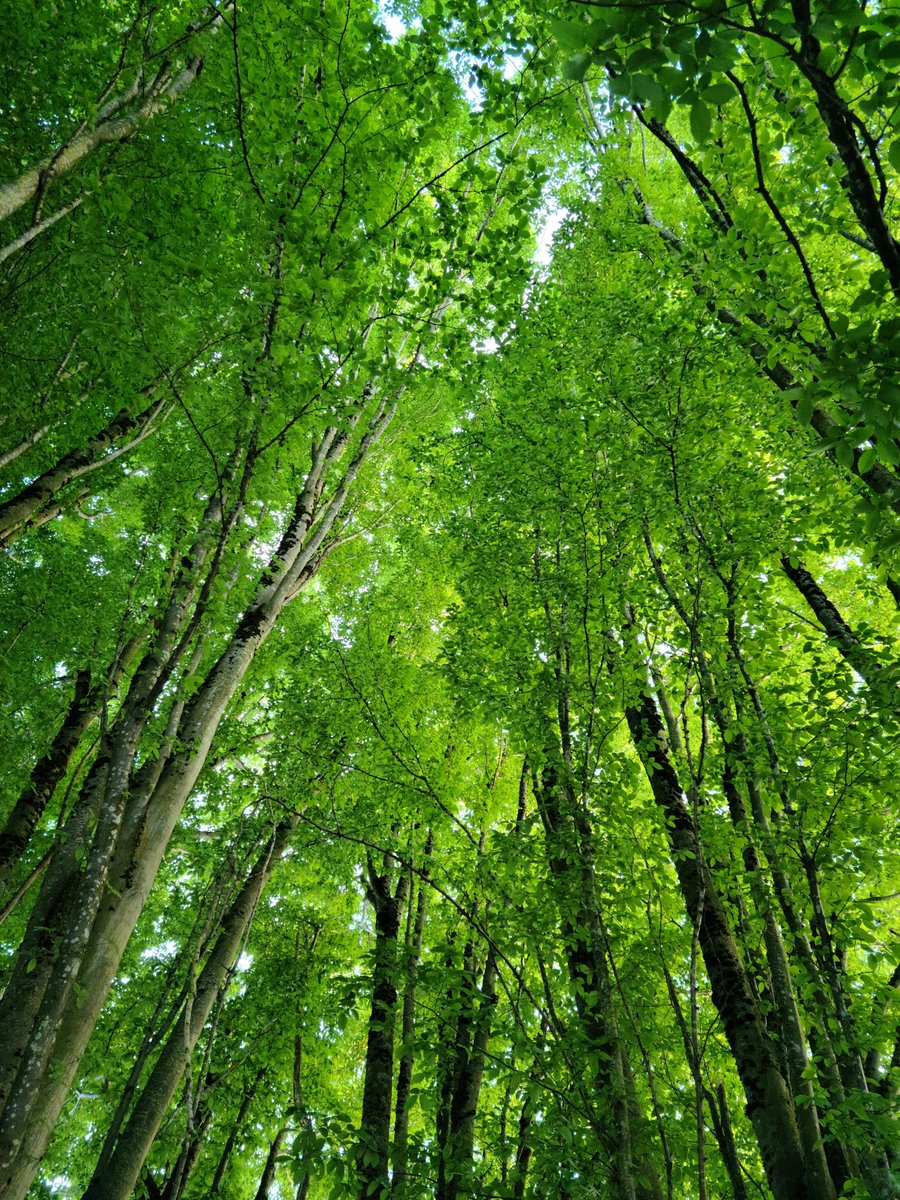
(268, 1176)
(770, 1105)
(119, 118)
(50, 1052)
(48, 771)
(122, 433)
(234, 1132)
(116, 1179)
(86, 705)
(881, 674)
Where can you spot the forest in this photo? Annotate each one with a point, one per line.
(450, 572)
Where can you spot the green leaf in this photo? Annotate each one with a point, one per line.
(700, 122)
(866, 460)
(576, 67)
(571, 35)
(804, 407)
(718, 93)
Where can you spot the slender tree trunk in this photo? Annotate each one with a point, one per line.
(718, 1108)
(373, 1151)
(569, 837)
(457, 1154)
(791, 1049)
(119, 118)
(414, 933)
(86, 705)
(770, 1105)
(47, 773)
(20, 511)
(179, 1177)
(878, 674)
(268, 1175)
(121, 1171)
(842, 124)
(300, 1109)
(170, 1003)
(234, 1132)
(519, 1173)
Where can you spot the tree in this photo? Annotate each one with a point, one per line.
(452, 726)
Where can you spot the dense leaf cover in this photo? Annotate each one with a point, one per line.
(449, 680)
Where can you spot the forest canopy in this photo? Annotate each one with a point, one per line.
(449, 528)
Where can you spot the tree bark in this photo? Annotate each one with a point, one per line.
(234, 1132)
(863, 661)
(48, 771)
(414, 934)
(20, 512)
(466, 1073)
(120, 1173)
(114, 123)
(373, 1151)
(770, 1105)
(268, 1175)
(570, 856)
(150, 816)
(86, 705)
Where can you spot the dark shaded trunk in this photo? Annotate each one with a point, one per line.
(721, 1120)
(466, 1073)
(523, 1149)
(85, 707)
(569, 841)
(770, 1105)
(879, 675)
(20, 511)
(373, 1151)
(48, 771)
(234, 1132)
(268, 1176)
(174, 1186)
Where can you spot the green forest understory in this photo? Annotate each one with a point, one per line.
(450, 571)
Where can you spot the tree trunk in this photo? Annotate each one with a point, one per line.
(268, 1175)
(373, 1151)
(19, 511)
(48, 771)
(234, 1132)
(863, 661)
(770, 1105)
(455, 1179)
(86, 705)
(173, 1188)
(569, 837)
(49, 1056)
(414, 933)
(114, 124)
(120, 1173)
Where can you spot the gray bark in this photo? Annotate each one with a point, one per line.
(39, 1094)
(118, 1176)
